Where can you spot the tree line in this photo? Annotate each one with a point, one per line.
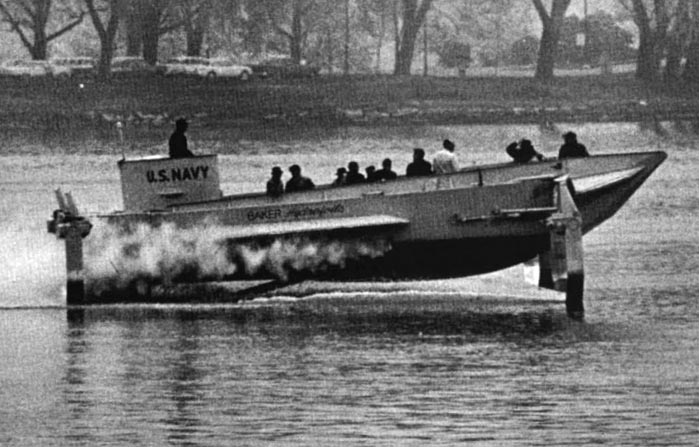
(350, 34)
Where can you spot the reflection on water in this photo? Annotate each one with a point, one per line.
(431, 369)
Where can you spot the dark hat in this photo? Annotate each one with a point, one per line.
(525, 143)
(341, 170)
(181, 123)
(294, 168)
(420, 151)
(448, 145)
(276, 170)
(569, 135)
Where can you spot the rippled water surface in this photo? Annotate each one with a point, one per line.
(426, 364)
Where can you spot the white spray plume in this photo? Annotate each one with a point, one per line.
(168, 251)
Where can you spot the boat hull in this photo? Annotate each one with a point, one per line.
(458, 225)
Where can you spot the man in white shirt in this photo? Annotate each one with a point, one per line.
(445, 160)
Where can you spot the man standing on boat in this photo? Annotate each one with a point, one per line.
(445, 161)
(571, 148)
(178, 140)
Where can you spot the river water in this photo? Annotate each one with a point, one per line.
(342, 370)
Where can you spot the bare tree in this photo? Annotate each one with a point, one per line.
(288, 18)
(691, 68)
(195, 17)
(373, 16)
(679, 36)
(412, 19)
(549, 37)
(31, 20)
(105, 17)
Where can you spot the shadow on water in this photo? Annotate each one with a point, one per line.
(302, 320)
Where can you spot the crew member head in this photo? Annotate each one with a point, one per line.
(353, 167)
(525, 144)
(276, 172)
(386, 164)
(181, 125)
(448, 145)
(418, 154)
(570, 137)
(295, 170)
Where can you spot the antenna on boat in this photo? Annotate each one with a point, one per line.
(120, 135)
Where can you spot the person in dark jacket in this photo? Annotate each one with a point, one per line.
(385, 173)
(275, 186)
(370, 173)
(353, 174)
(523, 151)
(297, 182)
(571, 148)
(419, 166)
(178, 140)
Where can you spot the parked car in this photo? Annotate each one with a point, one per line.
(284, 68)
(24, 68)
(132, 65)
(224, 68)
(79, 66)
(183, 65)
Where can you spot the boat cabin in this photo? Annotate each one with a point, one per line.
(158, 182)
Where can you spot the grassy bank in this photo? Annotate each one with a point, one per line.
(50, 105)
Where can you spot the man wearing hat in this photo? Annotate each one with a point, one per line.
(571, 148)
(178, 141)
(275, 186)
(445, 160)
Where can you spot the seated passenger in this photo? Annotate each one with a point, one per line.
(523, 152)
(370, 173)
(353, 174)
(340, 177)
(178, 140)
(571, 148)
(385, 173)
(419, 166)
(275, 186)
(297, 182)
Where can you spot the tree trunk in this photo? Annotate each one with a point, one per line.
(296, 36)
(413, 18)
(691, 68)
(134, 29)
(39, 50)
(195, 41)
(196, 27)
(647, 63)
(549, 37)
(106, 34)
(151, 33)
(679, 37)
(346, 64)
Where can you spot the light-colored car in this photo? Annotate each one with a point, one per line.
(224, 68)
(24, 68)
(131, 64)
(183, 65)
(76, 65)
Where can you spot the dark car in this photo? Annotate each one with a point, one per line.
(284, 68)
